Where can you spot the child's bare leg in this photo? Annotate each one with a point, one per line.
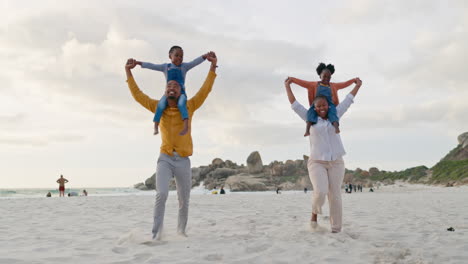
(156, 128)
(186, 127)
(307, 133)
(337, 127)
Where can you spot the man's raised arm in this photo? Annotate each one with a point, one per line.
(196, 101)
(139, 96)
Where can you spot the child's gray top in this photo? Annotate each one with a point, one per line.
(184, 67)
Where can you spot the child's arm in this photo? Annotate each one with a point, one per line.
(137, 94)
(305, 84)
(342, 85)
(189, 65)
(151, 66)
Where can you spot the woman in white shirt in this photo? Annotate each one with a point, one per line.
(326, 166)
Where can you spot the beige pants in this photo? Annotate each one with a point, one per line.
(326, 178)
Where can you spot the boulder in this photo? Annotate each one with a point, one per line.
(222, 173)
(204, 170)
(348, 177)
(365, 173)
(230, 164)
(150, 182)
(463, 140)
(213, 183)
(290, 168)
(304, 182)
(461, 151)
(276, 170)
(254, 163)
(217, 163)
(287, 186)
(245, 182)
(373, 171)
(140, 186)
(196, 173)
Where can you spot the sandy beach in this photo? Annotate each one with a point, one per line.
(395, 224)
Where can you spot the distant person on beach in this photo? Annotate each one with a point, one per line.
(326, 89)
(278, 190)
(222, 191)
(175, 148)
(61, 181)
(85, 193)
(305, 190)
(325, 165)
(48, 194)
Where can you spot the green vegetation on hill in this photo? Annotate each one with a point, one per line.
(453, 153)
(450, 170)
(411, 174)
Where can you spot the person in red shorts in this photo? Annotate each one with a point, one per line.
(61, 181)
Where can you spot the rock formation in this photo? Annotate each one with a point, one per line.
(293, 174)
(254, 163)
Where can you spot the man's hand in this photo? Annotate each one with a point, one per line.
(131, 63)
(211, 57)
(287, 82)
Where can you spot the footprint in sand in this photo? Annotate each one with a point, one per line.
(352, 235)
(316, 228)
(259, 248)
(154, 243)
(142, 257)
(120, 250)
(214, 257)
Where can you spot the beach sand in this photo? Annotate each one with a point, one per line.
(395, 224)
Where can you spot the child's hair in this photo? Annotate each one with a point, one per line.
(173, 48)
(322, 67)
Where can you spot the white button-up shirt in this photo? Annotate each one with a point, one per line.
(325, 144)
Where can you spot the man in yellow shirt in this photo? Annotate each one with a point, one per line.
(175, 149)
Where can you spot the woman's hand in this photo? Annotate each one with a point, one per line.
(356, 87)
(287, 84)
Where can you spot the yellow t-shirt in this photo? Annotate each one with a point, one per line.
(171, 122)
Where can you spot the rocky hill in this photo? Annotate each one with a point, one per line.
(293, 175)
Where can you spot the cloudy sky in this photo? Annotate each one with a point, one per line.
(65, 107)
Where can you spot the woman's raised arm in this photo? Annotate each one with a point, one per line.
(356, 87)
(287, 84)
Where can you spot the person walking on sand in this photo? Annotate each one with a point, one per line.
(175, 148)
(325, 165)
(61, 181)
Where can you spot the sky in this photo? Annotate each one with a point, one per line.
(65, 107)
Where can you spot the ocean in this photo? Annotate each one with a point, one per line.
(109, 191)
